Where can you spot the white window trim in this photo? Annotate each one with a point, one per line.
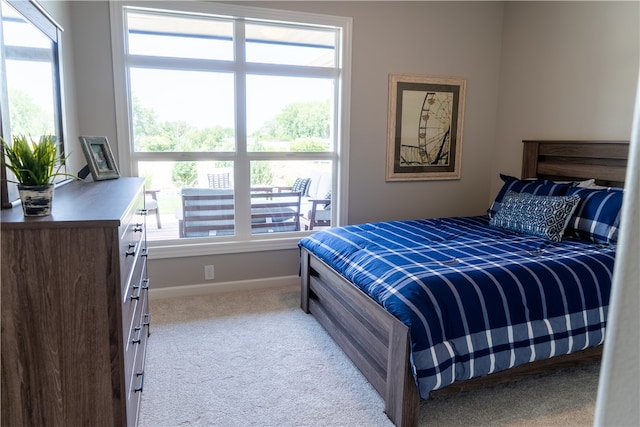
(197, 247)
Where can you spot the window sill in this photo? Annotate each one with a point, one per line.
(162, 250)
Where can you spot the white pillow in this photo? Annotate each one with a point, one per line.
(582, 184)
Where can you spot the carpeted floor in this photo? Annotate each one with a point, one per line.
(255, 359)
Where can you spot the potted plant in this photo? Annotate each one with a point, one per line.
(35, 165)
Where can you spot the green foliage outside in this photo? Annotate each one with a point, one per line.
(27, 117)
(302, 125)
(184, 174)
(154, 136)
(299, 120)
(148, 180)
(308, 145)
(261, 173)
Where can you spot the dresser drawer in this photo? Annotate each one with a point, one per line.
(137, 375)
(132, 245)
(133, 310)
(131, 345)
(132, 290)
(134, 355)
(132, 241)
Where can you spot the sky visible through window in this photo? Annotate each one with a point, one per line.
(205, 99)
(196, 99)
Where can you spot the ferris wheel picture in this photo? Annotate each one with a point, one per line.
(434, 132)
(424, 127)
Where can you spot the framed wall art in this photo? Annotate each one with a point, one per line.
(424, 127)
(99, 157)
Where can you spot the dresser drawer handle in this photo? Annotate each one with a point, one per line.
(145, 252)
(146, 321)
(145, 284)
(141, 375)
(138, 228)
(133, 248)
(135, 293)
(137, 339)
(144, 211)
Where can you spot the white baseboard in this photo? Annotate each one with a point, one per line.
(221, 287)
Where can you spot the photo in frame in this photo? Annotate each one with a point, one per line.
(99, 157)
(424, 127)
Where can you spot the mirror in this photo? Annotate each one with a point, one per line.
(30, 84)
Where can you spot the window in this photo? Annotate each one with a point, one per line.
(229, 109)
(30, 101)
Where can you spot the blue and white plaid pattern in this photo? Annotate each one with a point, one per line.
(476, 299)
(539, 187)
(543, 216)
(597, 216)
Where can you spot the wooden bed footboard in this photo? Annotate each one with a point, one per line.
(376, 342)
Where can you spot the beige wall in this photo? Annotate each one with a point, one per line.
(533, 69)
(433, 38)
(568, 71)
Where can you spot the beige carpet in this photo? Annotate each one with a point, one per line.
(255, 359)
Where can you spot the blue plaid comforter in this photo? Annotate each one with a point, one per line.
(476, 299)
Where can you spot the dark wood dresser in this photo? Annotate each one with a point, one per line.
(75, 313)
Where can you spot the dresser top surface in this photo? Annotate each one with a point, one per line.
(80, 202)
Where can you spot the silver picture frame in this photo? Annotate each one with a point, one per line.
(99, 156)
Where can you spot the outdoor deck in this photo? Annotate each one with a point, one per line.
(168, 231)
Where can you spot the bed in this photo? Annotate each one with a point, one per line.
(447, 305)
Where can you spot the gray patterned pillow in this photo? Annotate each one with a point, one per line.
(300, 185)
(542, 216)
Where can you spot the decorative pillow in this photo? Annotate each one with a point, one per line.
(300, 185)
(541, 187)
(542, 216)
(597, 217)
(328, 197)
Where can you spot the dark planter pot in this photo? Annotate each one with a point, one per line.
(36, 199)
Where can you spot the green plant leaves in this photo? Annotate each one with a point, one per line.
(33, 163)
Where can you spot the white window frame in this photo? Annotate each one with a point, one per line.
(243, 241)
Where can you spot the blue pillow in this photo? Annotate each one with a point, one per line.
(597, 217)
(540, 187)
(542, 216)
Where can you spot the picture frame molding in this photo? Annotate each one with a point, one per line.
(398, 120)
(100, 168)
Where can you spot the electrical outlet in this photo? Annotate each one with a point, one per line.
(208, 272)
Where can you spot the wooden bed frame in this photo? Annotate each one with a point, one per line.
(378, 343)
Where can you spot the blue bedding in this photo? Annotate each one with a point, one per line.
(476, 299)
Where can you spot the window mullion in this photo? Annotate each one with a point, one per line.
(242, 169)
(179, 63)
(181, 156)
(291, 70)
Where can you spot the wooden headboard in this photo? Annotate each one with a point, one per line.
(606, 161)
